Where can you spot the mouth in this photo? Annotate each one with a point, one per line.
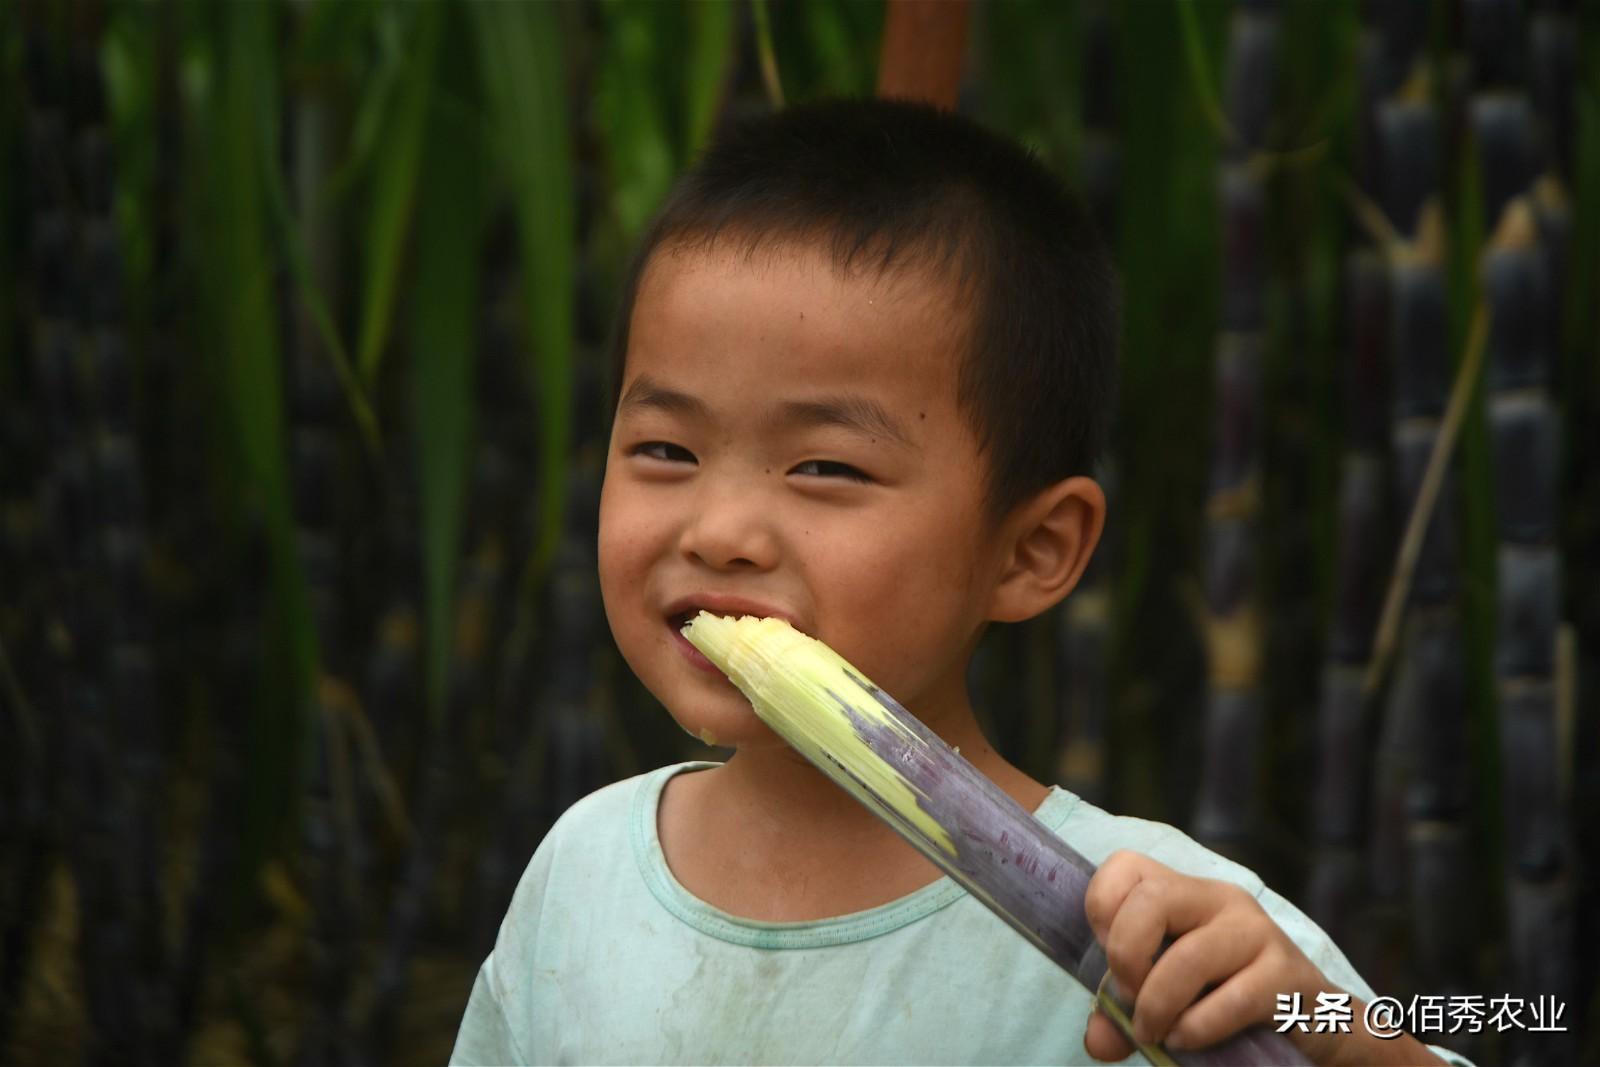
(679, 619)
(681, 611)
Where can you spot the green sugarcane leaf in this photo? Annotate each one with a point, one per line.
(1168, 252)
(707, 68)
(845, 39)
(524, 84)
(129, 63)
(236, 278)
(394, 187)
(379, 90)
(631, 113)
(443, 342)
(290, 231)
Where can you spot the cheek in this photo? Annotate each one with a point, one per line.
(623, 547)
(894, 594)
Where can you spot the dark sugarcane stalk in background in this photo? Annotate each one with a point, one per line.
(1395, 119)
(476, 616)
(504, 780)
(575, 749)
(393, 694)
(333, 850)
(36, 549)
(1225, 811)
(1422, 808)
(54, 338)
(1084, 622)
(1521, 279)
(877, 751)
(105, 688)
(1337, 888)
(141, 727)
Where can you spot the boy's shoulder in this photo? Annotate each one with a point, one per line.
(1097, 833)
(601, 828)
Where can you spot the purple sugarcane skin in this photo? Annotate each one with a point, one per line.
(1037, 881)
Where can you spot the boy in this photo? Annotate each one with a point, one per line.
(864, 364)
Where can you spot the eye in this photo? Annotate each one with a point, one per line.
(827, 468)
(663, 450)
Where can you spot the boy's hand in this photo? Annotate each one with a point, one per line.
(1222, 944)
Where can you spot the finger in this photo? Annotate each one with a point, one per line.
(1123, 872)
(1156, 909)
(1111, 885)
(1208, 955)
(1136, 935)
(1103, 1041)
(1247, 998)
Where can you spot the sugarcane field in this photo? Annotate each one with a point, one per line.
(376, 380)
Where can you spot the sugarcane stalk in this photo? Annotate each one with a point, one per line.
(1525, 212)
(878, 752)
(333, 848)
(34, 552)
(1337, 890)
(1084, 621)
(483, 583)
(1421, 861)
(1344, 727)
(1226, 808)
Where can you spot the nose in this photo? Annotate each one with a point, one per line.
(731, 528)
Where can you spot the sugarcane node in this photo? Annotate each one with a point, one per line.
(1089, 606)
(1083, 761)
(1234, 644)
(1242, 501)
(1429, 241)
(1550, 195)
(1518, 226)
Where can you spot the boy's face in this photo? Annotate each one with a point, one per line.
(788, 443)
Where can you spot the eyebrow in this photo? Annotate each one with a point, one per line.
(857, 414)
(646, 392)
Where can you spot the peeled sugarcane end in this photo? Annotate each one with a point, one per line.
(817, 702)
(743, 648)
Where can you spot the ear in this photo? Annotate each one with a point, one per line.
(1050, 539)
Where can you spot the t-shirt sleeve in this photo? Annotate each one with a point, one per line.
(485, 1036)
(1328, 958)
(1097, 834)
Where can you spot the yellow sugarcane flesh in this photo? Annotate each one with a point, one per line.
(796, 685)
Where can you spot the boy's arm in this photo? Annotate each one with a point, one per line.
(1220, 942)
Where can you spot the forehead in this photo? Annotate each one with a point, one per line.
(787, 315)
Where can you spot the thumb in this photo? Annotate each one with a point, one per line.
(1103, 1041)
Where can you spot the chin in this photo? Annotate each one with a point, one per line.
(730, 726)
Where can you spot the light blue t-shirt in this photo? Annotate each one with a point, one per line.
(603, 957)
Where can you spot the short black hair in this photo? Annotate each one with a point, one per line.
(890, 183)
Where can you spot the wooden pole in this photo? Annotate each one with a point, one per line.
(924, 44)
